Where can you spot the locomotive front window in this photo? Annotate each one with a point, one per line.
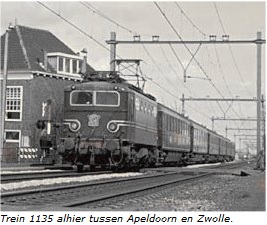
(95, 98)
(107, 98)
(81, 98)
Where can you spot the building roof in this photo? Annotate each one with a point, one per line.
(26, 48)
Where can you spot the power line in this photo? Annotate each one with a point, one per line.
(101, 14)
(200, 31)
(173, 28)
(202, 69)
(190, 21)
(80, 30)
(230, 49)
(73, 25)
(179, 36)
(98, 12)
(221, 70)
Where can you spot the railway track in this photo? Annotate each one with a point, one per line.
(25, 176)
(100, 194)
(84, 194)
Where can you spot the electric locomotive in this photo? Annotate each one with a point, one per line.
(112, 124)
(109, 124)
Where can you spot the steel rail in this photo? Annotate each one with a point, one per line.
(119, 193)
(74, 186)
(7, 178)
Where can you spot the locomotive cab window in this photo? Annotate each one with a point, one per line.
(107, 98)
(94, 98)
(81, 98)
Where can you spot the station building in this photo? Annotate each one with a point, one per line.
(39, 67)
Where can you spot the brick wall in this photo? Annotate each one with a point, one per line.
(35, 92)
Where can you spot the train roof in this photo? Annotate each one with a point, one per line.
(109, 84)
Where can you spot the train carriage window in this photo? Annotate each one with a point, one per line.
(107, 98)
(141, 105)
(137, 104)
(145, 107)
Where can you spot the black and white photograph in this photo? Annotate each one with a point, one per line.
(132, 106)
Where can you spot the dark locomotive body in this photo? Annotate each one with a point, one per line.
(109, 124)
(114, 124)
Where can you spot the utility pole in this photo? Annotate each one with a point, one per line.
(113, 42)
(112, 51)
(260, 154)
(264, 133)
(3, 96)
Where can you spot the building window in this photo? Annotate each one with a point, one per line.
(60, 64)
(14, 103)
(12, 136)
(67, 65)
(75, 66)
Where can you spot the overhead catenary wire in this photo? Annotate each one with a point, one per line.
(196, 27)
(230, 49)
(77, 28)
(94, 10)
(187, 48)
(103, 46)
(231, 53)
(73, 25)
(129, 30)
(190, 21)
(100, 13)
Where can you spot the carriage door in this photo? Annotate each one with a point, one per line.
(131, 112)
(191, 138)
(130, 107)
(209, 143)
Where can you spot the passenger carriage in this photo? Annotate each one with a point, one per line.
(173, 135)
(199, 143)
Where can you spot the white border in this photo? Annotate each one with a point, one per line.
(21, 105)
(13, 141)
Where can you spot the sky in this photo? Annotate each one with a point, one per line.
(219, 71)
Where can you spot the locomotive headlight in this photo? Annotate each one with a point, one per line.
(74, 125)
(112, 127)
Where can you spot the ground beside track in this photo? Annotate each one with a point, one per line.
(219, 193)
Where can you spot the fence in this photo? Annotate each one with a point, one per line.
(19, 155)
(28, 155)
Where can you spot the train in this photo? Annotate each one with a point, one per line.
(110, 123)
